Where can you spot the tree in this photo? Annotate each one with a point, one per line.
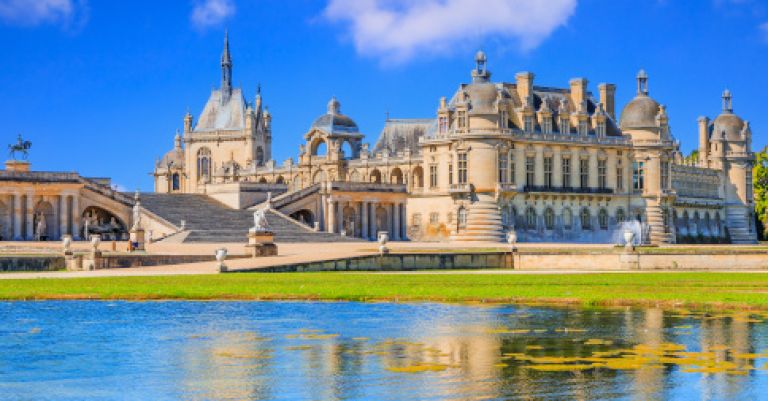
(760, 185)
(693, 157)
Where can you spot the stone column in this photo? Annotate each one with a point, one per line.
(63, 215)
(364, 220)
(331, 219)
(76, 214)
(358, 219)
(557, 169)
(55, 202)
(396, 221)
(29, 229)
(403, 223)
(17, 216)
(374, 228)
(391, 221)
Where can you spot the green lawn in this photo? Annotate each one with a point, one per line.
(717, 290)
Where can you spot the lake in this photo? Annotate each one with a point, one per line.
(102, 350)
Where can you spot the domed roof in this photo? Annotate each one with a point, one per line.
(174, 158)
(482, 97)
(333, 121)
(640, 113)
(727, 125)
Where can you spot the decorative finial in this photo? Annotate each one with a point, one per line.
(334, 107)
(642, 83)
(727, 101)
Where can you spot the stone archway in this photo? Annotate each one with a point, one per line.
(418, 177)
(375, 176)
(97, 220)
(304, 216)
(382, 221)
(349, 221)
(396, 176)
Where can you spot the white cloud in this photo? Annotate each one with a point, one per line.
(207, 13)
(36, 12)
(397, 30)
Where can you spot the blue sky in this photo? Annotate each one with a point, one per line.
(101, 86)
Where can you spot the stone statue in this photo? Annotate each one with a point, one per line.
(86, 228)
(136, 216)
(42, 227)
(22, 146)
(260, 220)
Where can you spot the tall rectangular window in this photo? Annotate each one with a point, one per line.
(565, 126)
(546, 125)
(638, 176)
(512, 167)
(548, 172)
(462, 119)
(600, 129)
(503, 163)
(462, 168)
(664, 175)
(528, 123)
(530, 170)
(566, 172)
(620, 178)
(450, 173)
(583, 173)
(443, 124)
(583, 128)
(601, 170)
(433, 175)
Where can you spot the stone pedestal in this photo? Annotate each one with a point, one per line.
(73, 262)
(261, 243)
(21, 166)
(93, 261)
(629, 261)
(137, 239)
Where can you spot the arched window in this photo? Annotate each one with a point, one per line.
(175, 184)
(346, 150)
(530, 218)
(259, 157)
(462, 217)
(620, 216)
(396, 176)
(602, 218)
(319, 148)
(280, 180)
(585, 219)
(549, 218)
(354, 176)
(567, 218)
(204, 165)
(376, 176)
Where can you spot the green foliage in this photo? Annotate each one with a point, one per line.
(760, 181)
(693, 157)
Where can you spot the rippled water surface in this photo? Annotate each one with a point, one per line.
(374, 351)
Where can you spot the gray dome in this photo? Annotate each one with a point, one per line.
(728, 124)
(482, 97)
(174, 158)
(640, 113)
(333, 121)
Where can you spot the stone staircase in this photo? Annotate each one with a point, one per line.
(208, 220)
(739, 226)
(483, 222)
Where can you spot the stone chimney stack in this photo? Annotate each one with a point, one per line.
(578, 91)
(607, 99)
(524, 85)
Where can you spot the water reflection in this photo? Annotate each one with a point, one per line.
(374, 351)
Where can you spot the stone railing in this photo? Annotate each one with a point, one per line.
(38, 176)
(460, 188)
(107, 191)
(290, 197)
(366, 187)
(571, 190)
(695, 182)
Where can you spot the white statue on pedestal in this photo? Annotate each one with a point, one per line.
(42, 227)
(260, 221)
(136, 216)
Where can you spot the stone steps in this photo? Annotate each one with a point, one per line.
(208, 220)
(483, 222)
(739, 227)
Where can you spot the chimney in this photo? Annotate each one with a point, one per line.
(578, 91)
(607, 96)
(524, 85)
(703, 141)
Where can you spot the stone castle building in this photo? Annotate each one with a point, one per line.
(554, 164)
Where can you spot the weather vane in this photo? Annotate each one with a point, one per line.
(21, 146)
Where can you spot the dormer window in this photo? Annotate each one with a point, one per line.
(461, 119)
(503, 119)
(546, 125)
(528, 123)
(565, 126)
(442, 125)
(583, 128)
(600, 129)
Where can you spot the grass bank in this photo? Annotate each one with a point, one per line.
(712, 290)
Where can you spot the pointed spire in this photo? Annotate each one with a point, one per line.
(257, 103)
(226, 69)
